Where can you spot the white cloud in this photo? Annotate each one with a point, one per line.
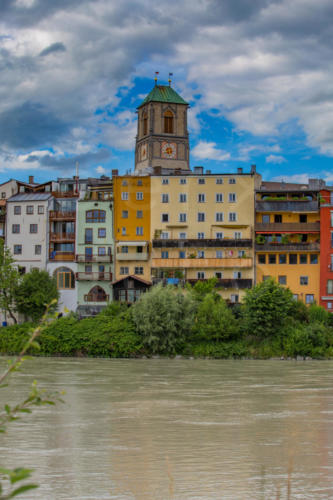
(275, 159)
(100, 170)
(208, 151)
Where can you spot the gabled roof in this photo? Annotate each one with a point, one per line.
(148, 283)
(163, 93)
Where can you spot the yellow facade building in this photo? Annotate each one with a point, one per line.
(132, 225)
(202, 226)
(288, 237)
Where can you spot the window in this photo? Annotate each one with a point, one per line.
(201, 236)
(182, 198)
(182, 254)
(303, 218)
(182, 181)
(168, 122)
(219, 197)
(16, 228)
(234, 299)
(200, 275)
(182, 217)
(201, 181)
(219, 180)
(241, 253)
(232, 197)
(313, 258)
(219, 217)
(201, 217)
(17, 249)
(232, 216)
(218, 275)
(101, 251)
(165, 181)
(309, 298)
(145, 123)
(232, 181)
(40, 209)
(95, 216)
(303, 258)
(201, 254)
(139, 214)
(138, 270)
(265, 219)
(164, 235)
(238, 235)
(96, 294)
(219, 254)
(293, 258)
(201, 198)
(124, 183)
(17, 210)
(265, 278)
(165, 198)
(261, 258)
(329, 287)
(124, 214)
(102, 232)
(139, 231)
(88, 235)
(30, 209)
(124, 195)
(65, 278)
(124, 249)
(282, 280)
(123, 270)
(304, 280)
(33, 228)
(182, 236)
(331, 215)
(282, 258)
(164, 254)
(237, 275)
(123, 231)
(139, 195)
(329, 305)
(139, 183)
(278, 218)
(139, 250)
(3, 195)
(165, 217)
(38, 249)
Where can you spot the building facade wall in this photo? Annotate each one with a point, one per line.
(326, 249)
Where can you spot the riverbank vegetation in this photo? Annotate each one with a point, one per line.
(196, 322)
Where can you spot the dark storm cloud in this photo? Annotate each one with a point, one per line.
(63, 163)
(55, 47)
(29, 126)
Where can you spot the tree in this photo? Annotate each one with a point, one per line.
(266, 309)
(36, 290)
(163, 318)
(9, 280)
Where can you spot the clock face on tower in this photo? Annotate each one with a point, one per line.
(169, 150)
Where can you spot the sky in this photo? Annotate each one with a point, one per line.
(258, 75)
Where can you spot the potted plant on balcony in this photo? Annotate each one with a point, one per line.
(285, 239)
(192, 256)
(260, 239)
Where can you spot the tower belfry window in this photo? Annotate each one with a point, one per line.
(168, 122)
(145, 123)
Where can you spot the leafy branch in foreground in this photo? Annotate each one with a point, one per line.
(36, 397)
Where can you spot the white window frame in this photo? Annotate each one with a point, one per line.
(124, 195)
(219, 217)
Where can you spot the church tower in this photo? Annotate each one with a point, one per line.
(162, 136)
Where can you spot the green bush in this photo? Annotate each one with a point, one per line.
(313, 339)
(13, 338)
(318, 314)
(218, 350)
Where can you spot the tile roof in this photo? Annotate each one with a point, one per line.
(30, 197)
(163, 93)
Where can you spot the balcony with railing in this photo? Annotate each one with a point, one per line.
(62, 215)
(132, 256)
(93, 258)
(287, 206)
(56, 255)
(274, 246)
(57, 237)
(195, 263)
(239, 283)
(95, 297)
(103, 276)
(287, 227)
(65, 194)
(202, 243)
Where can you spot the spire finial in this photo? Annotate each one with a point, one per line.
(170, 75)
(156, 75)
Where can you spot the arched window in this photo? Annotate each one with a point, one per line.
(96, 294)
(95, 216)
(65, 278)
(168, 122)
(145, 123)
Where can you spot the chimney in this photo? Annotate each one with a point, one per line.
(31, 179)
(239, 170)
(198, 170)
(253, 169)
(114, 172)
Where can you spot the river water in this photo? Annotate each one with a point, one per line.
(176, 429)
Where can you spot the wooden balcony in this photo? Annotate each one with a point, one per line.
(202, 243)
(94, 276)
(288, 227)
(132, 256)
(240, 283)
(287, 247)
(61, 256)
(93, 258)
(287, 206)
(202, 263)
(59, 215)
(65, 194)
(62, 237)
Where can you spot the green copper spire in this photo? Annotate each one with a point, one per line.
(163, 93)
